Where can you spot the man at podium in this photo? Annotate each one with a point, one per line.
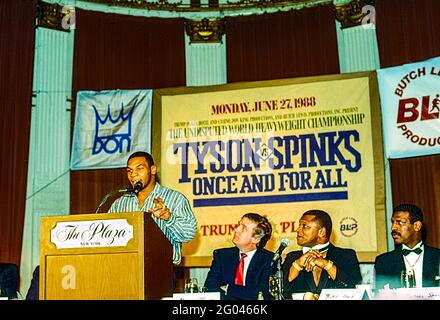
(169, 208)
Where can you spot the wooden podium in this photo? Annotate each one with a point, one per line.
(84, 257)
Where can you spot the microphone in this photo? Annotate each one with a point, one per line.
(283, 245)
(110, 194)
(137, 187)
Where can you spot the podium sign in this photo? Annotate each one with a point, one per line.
(104, 256)
(93, 233)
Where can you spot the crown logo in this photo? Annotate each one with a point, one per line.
(111, 134)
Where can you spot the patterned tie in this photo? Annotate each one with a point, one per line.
(316, 272)
(240, 271)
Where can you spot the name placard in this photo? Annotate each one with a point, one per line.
(94, 233)
(197, 296)
(428, 293)
(341, 294)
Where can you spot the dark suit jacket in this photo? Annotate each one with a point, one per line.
(33, 292)
(389, 265)
(348, 273)
(224, 266)
(9, 279)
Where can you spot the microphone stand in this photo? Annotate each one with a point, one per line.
(111, 193)
(276, 282)
(279, 276)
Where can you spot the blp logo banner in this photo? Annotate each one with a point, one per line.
(109, 126)
(410, 100)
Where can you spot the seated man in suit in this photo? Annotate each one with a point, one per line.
(243, 271)
(411, 256)
(9, 279)
(319, 264)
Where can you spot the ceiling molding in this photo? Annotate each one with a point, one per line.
(205, 30)
(212, 5)
(54, 16)
(354, 13)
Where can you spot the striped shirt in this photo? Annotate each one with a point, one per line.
(181, 227)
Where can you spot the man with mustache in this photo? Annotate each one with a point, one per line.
(411, 258)
(169, 208)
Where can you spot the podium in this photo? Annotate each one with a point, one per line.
(117, 256)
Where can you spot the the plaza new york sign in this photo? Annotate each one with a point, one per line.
(94, 233)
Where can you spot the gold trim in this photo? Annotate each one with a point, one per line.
(196, 6)
(54, 16)
(350, 14)
(205, 30)
(141, 4)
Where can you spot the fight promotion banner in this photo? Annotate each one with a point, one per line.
(410, 100)
(277, 148)
(109, 126)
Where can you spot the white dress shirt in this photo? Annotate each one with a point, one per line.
(247, 261)
(414, 262)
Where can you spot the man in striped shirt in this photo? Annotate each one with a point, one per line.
(169, 208)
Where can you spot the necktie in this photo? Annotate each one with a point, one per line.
(316, 272)
(322, 250)
(239, 274)
(406, 252)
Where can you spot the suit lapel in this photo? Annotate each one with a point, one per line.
(323, 279)
(397, 264)
(232, 262)
(430, 267)
(254, 262)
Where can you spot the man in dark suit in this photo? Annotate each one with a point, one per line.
(319, 264)
(411, 260)
(242, 272)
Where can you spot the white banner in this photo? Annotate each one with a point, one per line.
(410, 99)
(109, 126)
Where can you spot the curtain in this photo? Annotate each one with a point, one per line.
(282, 45)
(416, 180)
(121, 52)
(408, 31)
(17, 23)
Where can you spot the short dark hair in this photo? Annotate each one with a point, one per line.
(263, 230)
(143, 154)
(323, 218)
(415, 214)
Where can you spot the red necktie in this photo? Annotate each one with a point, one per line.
(239, 275)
